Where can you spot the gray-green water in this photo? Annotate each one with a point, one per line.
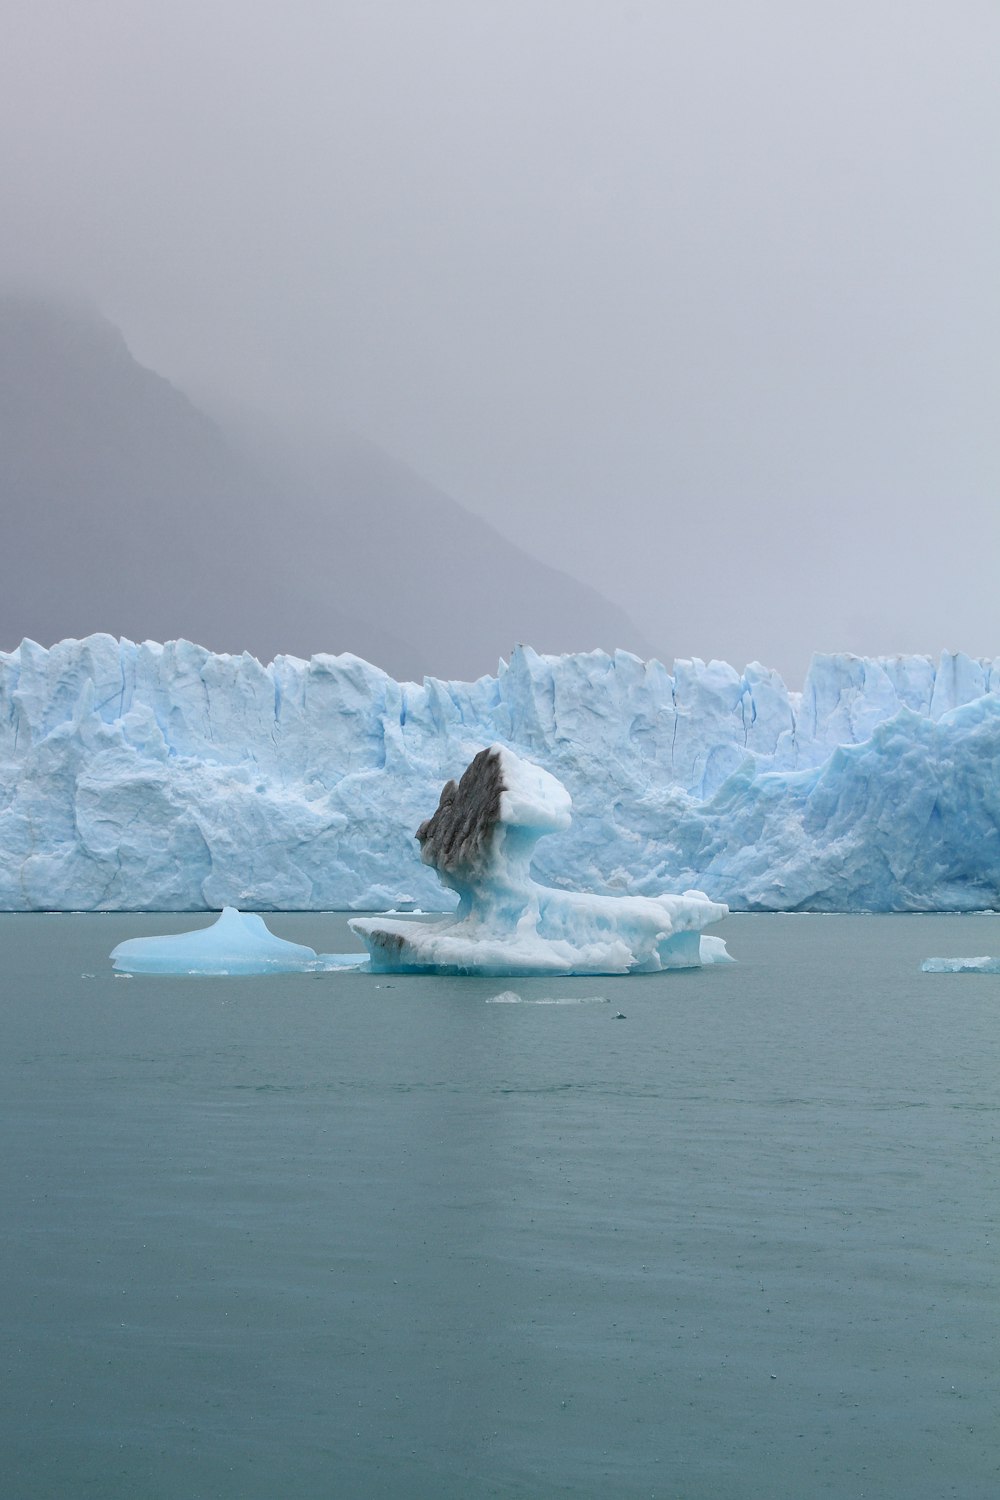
(354, 1236)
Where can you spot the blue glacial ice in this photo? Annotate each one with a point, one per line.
(481, 841)
(166, 777)
(237, 943)
(982, 965)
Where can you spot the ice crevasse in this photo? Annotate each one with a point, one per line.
(148, 776)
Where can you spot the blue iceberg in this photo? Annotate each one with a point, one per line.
(237, 943)
(480, 841)
(984, 964)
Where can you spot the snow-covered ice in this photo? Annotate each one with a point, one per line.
(982, 965)
(163, 777)
(481, 841)
(237, 943)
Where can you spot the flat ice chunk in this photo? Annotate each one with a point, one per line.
(982, 965)
(510, 997)
(237, 943)
(480, 840)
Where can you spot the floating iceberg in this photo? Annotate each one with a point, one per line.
(165, 777)
(982, 965)
(481, 841)
(510, 997)
(238, 943)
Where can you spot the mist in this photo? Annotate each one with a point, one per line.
(697, 302)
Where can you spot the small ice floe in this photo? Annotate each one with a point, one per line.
(982, 965)
(237, 943)
(509, 997)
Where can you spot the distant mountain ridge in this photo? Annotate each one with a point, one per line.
(128, 510)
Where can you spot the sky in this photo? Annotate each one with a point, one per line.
(698, 301)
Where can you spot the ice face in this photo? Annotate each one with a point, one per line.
(165, 777)
(238, 943)
(480, 840)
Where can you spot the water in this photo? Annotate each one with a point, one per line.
(355, 1236)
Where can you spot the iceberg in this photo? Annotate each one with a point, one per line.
(237, 943)
(983, 965)
(165, 777)
(510, 997)
(481, 841)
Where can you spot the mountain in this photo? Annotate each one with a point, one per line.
(127, 509)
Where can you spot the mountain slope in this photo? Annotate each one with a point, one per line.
(126, 509)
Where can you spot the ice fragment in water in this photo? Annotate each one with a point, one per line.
(982, 965)
(237, 943)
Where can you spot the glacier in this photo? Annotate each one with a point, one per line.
(163, 776)
(481, 841)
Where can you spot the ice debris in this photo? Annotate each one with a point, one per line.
(237, 943)
(480, 841)
(511, 997)
(982, 965)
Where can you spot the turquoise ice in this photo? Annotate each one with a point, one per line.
(236, 943)
(166, 777)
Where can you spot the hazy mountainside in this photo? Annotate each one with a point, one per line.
(127, 510)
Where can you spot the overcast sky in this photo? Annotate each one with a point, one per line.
(700, 300)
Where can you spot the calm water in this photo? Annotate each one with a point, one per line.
(348, 1236)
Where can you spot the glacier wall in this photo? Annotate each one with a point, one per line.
(166, 777)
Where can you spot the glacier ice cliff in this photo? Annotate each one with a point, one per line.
(481, 842)
(166, 777)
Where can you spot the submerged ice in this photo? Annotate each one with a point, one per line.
(481, 841)
(165, 777)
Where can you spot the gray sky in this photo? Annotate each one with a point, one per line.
(700, 300)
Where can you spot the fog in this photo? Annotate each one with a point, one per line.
(698, 301)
